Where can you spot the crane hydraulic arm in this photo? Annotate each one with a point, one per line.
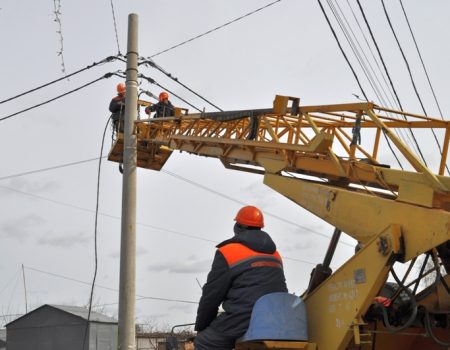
(326, 159)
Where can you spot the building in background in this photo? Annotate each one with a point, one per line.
(62, 327)
(2, 339)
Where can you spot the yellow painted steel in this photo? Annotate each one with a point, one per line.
(362, 215)
(353, 191)
(347, 294)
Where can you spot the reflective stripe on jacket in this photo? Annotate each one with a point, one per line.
(237, 253)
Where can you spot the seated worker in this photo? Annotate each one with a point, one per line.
(245, 267)
(117, 108)
(164, 108)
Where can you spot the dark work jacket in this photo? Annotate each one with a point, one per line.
(117, 107)
(162, 109)
(245, 268)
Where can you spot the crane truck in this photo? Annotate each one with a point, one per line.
(325, 158)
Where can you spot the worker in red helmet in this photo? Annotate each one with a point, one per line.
(117, 108)
(245, 267)
(164, 108)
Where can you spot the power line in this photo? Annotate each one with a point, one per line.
(342, 50)
(153, 81)
(105, 60)
(371, 51)
(371, 74)
(115, 26)
(107, 75)
(413, 84)
(243, 203)
(106, 288)
(159, 228)
(7, 283)
(154, 65)
(387, 74)
(354, 74)
(47, 169)
(400, 131)
(220, 194)
(421, 60)
(108, 215)
(354, 49)
(214, 29)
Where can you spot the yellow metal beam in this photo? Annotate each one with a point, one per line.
(416, 163)
(363, 215)
(344, 297)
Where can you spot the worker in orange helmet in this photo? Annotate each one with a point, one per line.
(117, 108)
(164, 108)
(245, 267)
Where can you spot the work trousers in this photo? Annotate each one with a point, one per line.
(209, 339)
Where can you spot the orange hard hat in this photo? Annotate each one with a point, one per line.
(121, 88)
(250, 216)
(163, 96)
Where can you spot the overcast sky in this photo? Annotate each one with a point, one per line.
(47, 220)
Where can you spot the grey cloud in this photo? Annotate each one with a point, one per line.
(64, 240)
(261, 199)
(182, 267)
(300, 245)
(21, 184)
(139, 252)
(20, 228)
(183, 307)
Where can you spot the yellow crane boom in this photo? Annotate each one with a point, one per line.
(326, 159)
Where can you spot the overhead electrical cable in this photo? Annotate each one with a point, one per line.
(49, 168)
(107, 215)
(354, 74)
(104, 287)
(372, 70)
(107, 75)
(412, 81)
(355, 51)
(400, 133)
(369, 73)
(243, 203)
(143, 224)
(342, 50)
(387, 73)
(391, 83)
(421, 60)
(403, 56)
(115, 26)
(214, 29)
(105, 60)
(372, 53)
(152, 81)
(9, 281)
(154, 65)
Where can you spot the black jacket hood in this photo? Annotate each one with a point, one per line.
(255, 239)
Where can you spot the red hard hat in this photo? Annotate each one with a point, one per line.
(250, 216)
(163, 96)
(121, 88)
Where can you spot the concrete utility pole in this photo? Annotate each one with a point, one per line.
(127, 289)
